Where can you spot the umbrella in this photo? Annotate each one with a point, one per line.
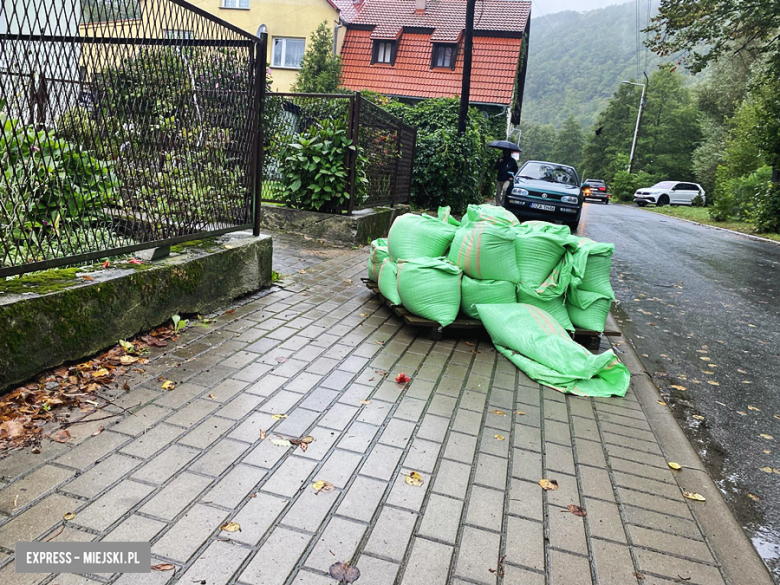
(505, 144)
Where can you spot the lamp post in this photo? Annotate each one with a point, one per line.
(638, 117)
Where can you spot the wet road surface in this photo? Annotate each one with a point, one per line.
(701, 307)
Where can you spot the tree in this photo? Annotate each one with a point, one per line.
(569, 143)
(107, 10)
(320, 69)
(537, 141)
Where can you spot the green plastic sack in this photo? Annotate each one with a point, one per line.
(538, 253)
(388, 281)
(533, 341)
(418, 236)
(485, 251)
(485, 292)
(444, 215)
(588, 310)
(376, 256)
(548, 228)
(591, 266)
(489, 214)
(430, 288)
(555, 285)
(555, 307)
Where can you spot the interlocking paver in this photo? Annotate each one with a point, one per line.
(176, 496)
(340, 540)
(33, 522)
(257, 517)
(276, 558)
(34, 485)
(428, 564)
(191, 530)
(112, 505)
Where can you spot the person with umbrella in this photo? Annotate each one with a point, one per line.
(506, 167)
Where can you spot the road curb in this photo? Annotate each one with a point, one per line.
(739, 561)
(743, 234)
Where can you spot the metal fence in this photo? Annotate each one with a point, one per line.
(378, 171)
(119, 135)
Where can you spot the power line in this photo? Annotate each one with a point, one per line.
(555, 34)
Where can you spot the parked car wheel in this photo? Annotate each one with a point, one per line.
(662, 200)
(573, 225)
(606, 201)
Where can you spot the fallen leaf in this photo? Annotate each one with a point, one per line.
(127, 360)
(754, 408)
(213, 396)
(169, 385)
(751, 325)
(163, 567)
(549, 484)
(414, 479)
(694, 496)
(500, 570)
(101, 373)
(767, 451)
(230, 311)
(469, 343)
(68, 516)
(262, 434)
(698, 417)
(767, 437)
(365, 402)
(704, 358)
(282, 359)
(766, 469)
(520, 412)
(135, 261)
(742, 412)
(301, 271)
(754, 497)
(639, 576)
(576, 510)
(278, 416)
(499, 412)
(61, 436)
(402, 379)
(681, 388)
(661, 402)
(281, 442)
(674, 465)
(344, 572)
(322, 486)
(232, 527)
(777, 416)
(712, 383)
(98, 431)
(500, 437)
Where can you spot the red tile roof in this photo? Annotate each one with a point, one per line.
(347, 8)
(494, 67)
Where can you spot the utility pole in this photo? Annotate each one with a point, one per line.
(468, 47)
(638, 118)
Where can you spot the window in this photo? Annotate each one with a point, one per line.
(444, 56)
(178, 34)
(288, 52)
(384, 52)
(235, 4)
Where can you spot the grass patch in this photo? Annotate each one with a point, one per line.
(702, 215)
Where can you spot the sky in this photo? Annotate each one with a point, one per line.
(553, 6)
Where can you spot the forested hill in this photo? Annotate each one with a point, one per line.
(577, 60)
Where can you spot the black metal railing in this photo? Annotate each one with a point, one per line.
(119, 135)
(373, 167)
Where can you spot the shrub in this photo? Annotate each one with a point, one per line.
(625, 184)
(723, 205)
(765, 213)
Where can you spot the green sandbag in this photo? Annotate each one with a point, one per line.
(555, 285)
(486, 252)
(548, 228)
(376, 256)
(537, 253)
(485, 292)
(555, 307)
(430, 288)
(591, 266)
(533, 341)
(588, 310)
(419, 236)
(444, 214)
(490, 214)
(388, 281)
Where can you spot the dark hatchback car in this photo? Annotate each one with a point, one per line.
(546, 191)
(595, 190)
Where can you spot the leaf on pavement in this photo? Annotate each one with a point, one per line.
(127, 346)
(777, 416)
(694, 496)
(68, 516)
(520, 412)
(661, 402)
(713, 383)
(61, 436)
(282, 359)
(101, 373)
(766, 469)
(499, 412)
(232, 527)
(500, 437)
(754, 497)
(750, 407)
(262, 434)
(213, 396)
(742, 412)
(639, 576)
(344, 572)
(698, 417)
(163, 567)
(169, 385)
(678, 387)
(322, 486)
(767, 437)
(281, 442)
(674, 465)
(549, 484)
(127, 360)
(414, 479)
(98, 431)
(278, 416)
(704, 358)
(365, 402)
(576, 510)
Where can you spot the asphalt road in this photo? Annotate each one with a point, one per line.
(701, 307)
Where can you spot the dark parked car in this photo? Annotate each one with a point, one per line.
(595, 190)
(546, 191)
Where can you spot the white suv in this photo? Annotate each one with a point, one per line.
(669, 193)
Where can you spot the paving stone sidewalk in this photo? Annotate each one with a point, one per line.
(479, 432)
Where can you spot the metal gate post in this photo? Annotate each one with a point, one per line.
(355, 157)
(261, 52)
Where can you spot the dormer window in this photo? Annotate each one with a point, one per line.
(384, 52)
(444, 55)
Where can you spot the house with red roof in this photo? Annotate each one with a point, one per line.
(413, 49)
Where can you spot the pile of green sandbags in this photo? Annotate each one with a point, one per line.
(439, 267)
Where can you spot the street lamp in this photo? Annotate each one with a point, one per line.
(638, 117)
(262, 30)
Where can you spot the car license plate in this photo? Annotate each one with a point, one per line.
(543, 207)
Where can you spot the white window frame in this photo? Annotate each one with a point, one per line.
(384, 52)
(445, 63)
(284, 51)
(236, 4)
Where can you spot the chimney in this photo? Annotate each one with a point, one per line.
(419, 6)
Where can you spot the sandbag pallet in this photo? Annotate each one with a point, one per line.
(589, 339)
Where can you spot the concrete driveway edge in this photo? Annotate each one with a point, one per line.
(740, 563)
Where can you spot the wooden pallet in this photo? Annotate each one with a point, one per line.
(589, 339)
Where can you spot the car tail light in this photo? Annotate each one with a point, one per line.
(602, 188)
